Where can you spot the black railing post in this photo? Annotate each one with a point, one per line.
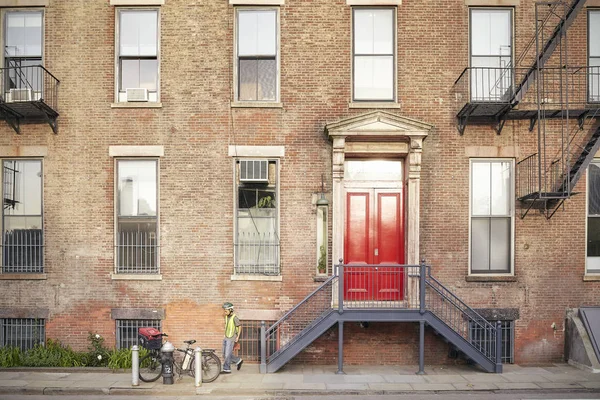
(422, 270)
(341, 286)
(263, 348)
(498, 347)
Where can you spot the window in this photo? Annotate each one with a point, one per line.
(491, 216)
(250, 340)
(137, 223)
(257, 53)
(23, 333)
(491, 54)
(594, 54)
(593, 218)
(23, 48)
(257, 226)
(480, 340)
(374, 54)
(137, 48)
(127, 331)
(22, 222)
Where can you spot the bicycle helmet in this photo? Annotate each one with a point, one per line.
(227, 306)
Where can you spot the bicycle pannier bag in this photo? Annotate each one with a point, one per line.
(150, 338)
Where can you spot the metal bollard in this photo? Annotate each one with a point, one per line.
(135, 366)
(198, 366)
(167, 362)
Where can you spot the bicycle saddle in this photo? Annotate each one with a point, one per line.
(190, 342)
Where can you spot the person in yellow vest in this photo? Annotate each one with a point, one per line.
(233, 330)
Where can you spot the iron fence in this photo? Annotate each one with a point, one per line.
(137, 253)
(23, 251)
(257, 253)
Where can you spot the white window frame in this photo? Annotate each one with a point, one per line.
(592, 267)
(117, 272)
(273, 275)
(394, 54)
(236, 72)
(594, 70)
(39, 253)
(492, 75)
(120, 95)
(511, 215)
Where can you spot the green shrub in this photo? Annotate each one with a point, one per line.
(10, 357)
(53, 354)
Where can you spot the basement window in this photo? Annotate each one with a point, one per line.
(250, 341)
(22, 333)
(478, 338)
(127, 331)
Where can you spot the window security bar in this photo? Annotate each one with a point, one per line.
(127, 330)
(257, 253)
(137, 253)
(23, 251)
(22, 333)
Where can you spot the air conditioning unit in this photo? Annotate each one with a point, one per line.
(136, 94)
(17, 95)
(254, 170)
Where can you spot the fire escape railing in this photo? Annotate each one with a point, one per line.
(421, 292)
(29, 83)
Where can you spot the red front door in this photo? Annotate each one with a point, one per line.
(374, 235)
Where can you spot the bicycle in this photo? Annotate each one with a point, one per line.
(151, 365)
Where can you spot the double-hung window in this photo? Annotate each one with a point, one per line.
(374, 54)
(492, 215)
(257, 54)
(257, 226)
(137, 55)
(593, 219)
(22, 222)
(594, 55)
(491, 54)
(137, 217)
(23, 48)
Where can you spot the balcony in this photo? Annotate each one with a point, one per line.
(28, 95)
(489, 95)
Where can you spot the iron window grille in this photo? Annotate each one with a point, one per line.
(127, 331)
(22, 333)
(478, 338)
(250, 340)
(22, 221)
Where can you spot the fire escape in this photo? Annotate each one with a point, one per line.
(28, 95)
(564, 105)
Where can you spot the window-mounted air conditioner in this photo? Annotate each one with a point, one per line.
(254, 170)
(136, 94)
(17, 95)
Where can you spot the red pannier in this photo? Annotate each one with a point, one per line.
(150, 338)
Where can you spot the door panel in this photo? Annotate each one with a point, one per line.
(374, 235)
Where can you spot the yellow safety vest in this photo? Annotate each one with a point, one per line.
(230, 328)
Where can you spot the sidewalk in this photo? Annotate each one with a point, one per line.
(296, 380)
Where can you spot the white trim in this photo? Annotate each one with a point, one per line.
(512, 218)
(23, 151)
(266, 278)
(255, 104)
(258, 315)
(135, 277)
(137, 2)
(373, 2)
(24, 3)
(256, 2)
(136, 151)
(588, 260)
(492, 3)
(256, 151)
(136, 105)
(374, 104)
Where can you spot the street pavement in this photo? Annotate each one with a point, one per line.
(302, 380)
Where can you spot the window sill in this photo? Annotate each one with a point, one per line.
(136, 105)
(23, 277)
(136, 277)
(374, 104)
(491, 278)
(257, 104)
(591, 278)
(247, 277)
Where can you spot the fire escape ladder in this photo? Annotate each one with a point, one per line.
(427, 302)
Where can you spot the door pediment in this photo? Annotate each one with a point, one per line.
(378, 124)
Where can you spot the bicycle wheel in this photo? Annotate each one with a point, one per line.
(211, 367)
(150, 367)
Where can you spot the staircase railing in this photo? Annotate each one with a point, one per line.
(305, 314)
(424, 292)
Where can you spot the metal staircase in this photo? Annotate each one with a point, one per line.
(424, 299)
